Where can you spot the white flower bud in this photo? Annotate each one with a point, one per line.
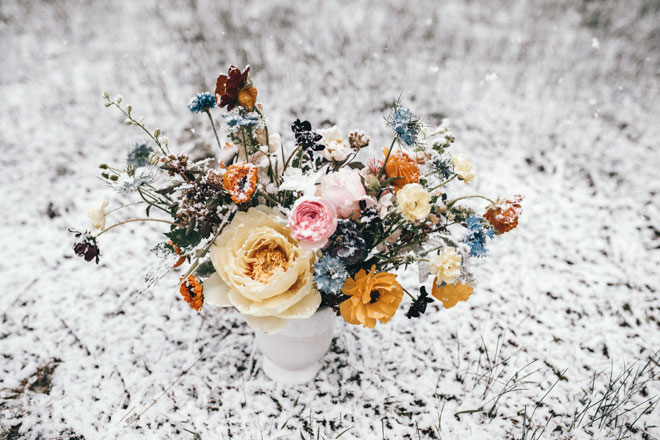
(106, 95)
(164, 140)
(127, 121)
(157, 132)
(107, 104)
(154, 159)
(129, 108)
(118, 99)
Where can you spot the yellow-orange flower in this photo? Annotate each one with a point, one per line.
(451, 294)
(192, 292)
(240, 181)
(401, 165)
(374, 297)
(247, 97)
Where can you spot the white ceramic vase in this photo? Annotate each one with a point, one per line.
(293, 355)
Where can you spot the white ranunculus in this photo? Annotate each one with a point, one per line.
(97, 213)
(447, 265)
(335, 148)
(414, 202)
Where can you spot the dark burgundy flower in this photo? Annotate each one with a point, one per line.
(228, 89)
(86, 247)
(306, 137)
(418, 307)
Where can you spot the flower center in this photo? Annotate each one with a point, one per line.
(265, 262)
(375, 296)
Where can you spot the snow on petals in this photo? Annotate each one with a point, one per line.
(97, 213)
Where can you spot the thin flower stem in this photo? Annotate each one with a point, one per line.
(386, 159)
(215, 132)
(134, 220)
(123, 206)
(451, 202)
(267, 197)
(141, 125)
(408, 293)
(247, 157)
(444, 183)
(151, 203)
(293, 153)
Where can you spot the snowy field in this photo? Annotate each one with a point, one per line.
(556, 100)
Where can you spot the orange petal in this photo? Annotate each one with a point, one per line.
(451, 294)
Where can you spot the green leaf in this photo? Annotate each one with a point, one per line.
(205, 269)
(184, 239)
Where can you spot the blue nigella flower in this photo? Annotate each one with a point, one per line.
(139, 155)
(329, 274)
(477, 236)
(237, 120)
(405, 124)
(202, 102)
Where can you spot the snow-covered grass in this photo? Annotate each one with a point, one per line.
(556, 100)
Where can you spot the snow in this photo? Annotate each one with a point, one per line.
(573, 289)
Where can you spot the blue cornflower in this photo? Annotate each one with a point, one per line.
(237, 120)
(139, 155)
(202, 102)
(477, 236)
(329, 274)
(405, 124)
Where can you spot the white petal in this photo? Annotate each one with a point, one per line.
(216, 292)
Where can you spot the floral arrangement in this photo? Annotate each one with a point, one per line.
(280, 229)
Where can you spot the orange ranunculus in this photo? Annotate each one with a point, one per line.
(247, 97)
(240, 181)
(191, 290)
(374, 297)
(504, 214)
(451, 294)
(401, 165)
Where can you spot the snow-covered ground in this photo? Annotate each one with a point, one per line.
(556, 100)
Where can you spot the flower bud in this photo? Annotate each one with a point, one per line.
(106, 95)
(127, 121)
(154, 159)
(118, 99)
(103, 166)
(107, 104)
(164, 140)
(129, 108)
(114, 177)
(157, 132)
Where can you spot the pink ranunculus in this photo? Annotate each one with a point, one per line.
(312, 221)
(344, 190)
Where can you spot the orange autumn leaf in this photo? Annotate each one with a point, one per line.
(451, 294)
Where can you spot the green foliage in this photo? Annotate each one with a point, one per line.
(184, 239)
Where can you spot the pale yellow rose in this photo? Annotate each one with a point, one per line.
(262, 271)
(414, 202)
(447, 265)
(463, 168)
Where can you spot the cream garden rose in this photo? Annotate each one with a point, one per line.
(414, 202)
(463, 168)
(447, 265)
(335, 148)
(262, 271)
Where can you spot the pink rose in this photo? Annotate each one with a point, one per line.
(313, 220)
(344, 190)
